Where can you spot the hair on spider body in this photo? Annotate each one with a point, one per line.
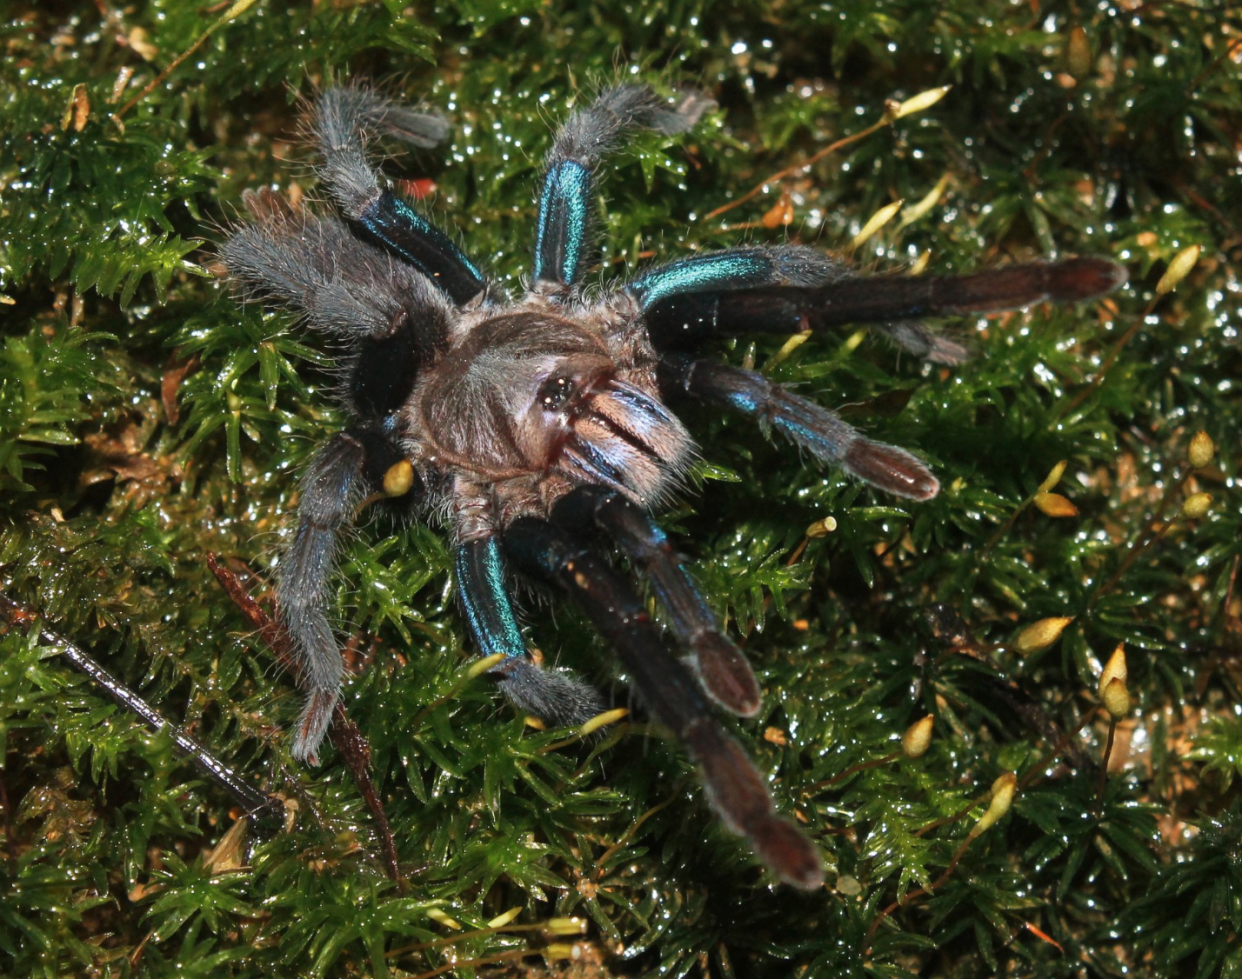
(536, 428)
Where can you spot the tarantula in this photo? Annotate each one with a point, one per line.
(536, 428)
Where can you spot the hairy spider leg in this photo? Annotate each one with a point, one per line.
(733, 786)
(821, 432)
(733, 269)
(781, 265)
(343, 120)
(683, 314)
(555, 697)
(397, 322)
(722, 669)
(332, 488)
(565, 203)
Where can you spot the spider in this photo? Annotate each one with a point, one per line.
(536, 429)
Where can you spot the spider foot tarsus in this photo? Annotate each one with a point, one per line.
(669, 690)
(557, 698)
(821, 432)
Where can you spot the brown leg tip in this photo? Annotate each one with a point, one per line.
(891, 469)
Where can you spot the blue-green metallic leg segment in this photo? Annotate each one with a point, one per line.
(563, 220)
(344, 120)
(736, 268)
(392, 223)
(565, 204)
(552, 696)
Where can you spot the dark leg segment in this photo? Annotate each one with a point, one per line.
(723, 671)
(816, 429)
(554, 697)
(682, 318)
(343, 121)
(564, 207)
(734, 788)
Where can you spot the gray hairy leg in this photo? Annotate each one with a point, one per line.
(565, 204)
(331, 490)
(344, 286)
(344, 120)
(821, 432)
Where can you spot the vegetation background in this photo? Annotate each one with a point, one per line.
(147, 419)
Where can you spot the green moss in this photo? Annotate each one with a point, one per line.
(119, 475)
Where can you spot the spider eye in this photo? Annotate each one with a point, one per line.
(555, 392)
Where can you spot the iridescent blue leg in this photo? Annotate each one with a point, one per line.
(723, 671)
(565, 205)
(819, 431)
(684, 308)
(733, 269)
(669, 690)
(552, 696)
(343, 120)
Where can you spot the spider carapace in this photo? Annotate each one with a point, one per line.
(536, 428)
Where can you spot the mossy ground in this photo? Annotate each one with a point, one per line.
(147, 420)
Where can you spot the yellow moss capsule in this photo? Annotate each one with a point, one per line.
(438, 916)
(566, 926)
(915, 742)
(1003, 791)
(1202, 449)
(1078, 54)
(920, 103)
(603, 720)
(399, 478)
(1115, 668)
(822, 528)
(1055, 505)
(921, 207)
(921, 263)
(501, 920)
(876, 222)
(483, 665)
(788, 347)
(1116, 698)
(1042, 634)
(1196, 506)
(1054, 476)
(1178, 269)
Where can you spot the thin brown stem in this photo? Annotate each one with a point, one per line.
(346, 738)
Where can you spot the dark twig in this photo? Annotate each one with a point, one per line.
(251, 799)
(346, 737)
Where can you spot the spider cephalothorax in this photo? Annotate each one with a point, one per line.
(535, 427)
